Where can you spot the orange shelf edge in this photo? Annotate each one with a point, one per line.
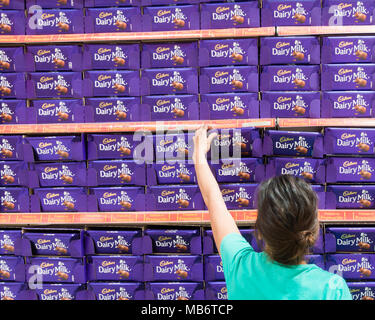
(246, 216)
(326, 122)
(140, 36)
(323, 30)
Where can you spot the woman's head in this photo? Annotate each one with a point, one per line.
(287, 219)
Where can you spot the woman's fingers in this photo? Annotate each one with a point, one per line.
(212, 136)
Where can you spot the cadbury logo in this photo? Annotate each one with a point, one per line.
(344, 71)
(281, 7)
(49, 291)
(105, 104)
(221, 100)
(283, 99)
(109, 194)
(165, 168)
(52, 195)
(220, 73)
(227, 191)
(221, 9)
(103, 77)
(164, 238)
(344, 5)
(344, 44)
(103, 239)
(225, 166)
(50, 169)
(347, 261)
(109, 167)
(47, 15)
(283, 72)
(107, 263)
(104, 14)
(285, 139)
(220, 46)
(161, 102)
(163, 12)
(343, 98)
(224, 290)
(347, 136)
(42, 52)
(44, 144)
(164, 142)
(104, 50)
(167, 192)
(166, 290)
(45, 79)
(347, 236)
(164, 263)
(291, 165)
(162, 49)
(349, 193)
(161, 75)
(48, 105)
(349, 163)
(41, 241)
(108, 140)
(106, 290)
(46, 265)
(281, 44)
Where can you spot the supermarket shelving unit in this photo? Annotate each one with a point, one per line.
(181, 217)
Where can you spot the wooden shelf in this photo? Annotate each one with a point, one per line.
(140, 36)
(131, 126)
(161, 217)
(324, 30)
(326, 122)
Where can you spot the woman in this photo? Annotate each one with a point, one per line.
(287, 224)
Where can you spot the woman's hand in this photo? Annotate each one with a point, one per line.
(202, 143)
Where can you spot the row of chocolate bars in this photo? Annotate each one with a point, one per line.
(52, 18)
(170, 182)
(116, 262)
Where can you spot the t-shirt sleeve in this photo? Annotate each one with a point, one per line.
(339, 290)
(344, 292)
(232, 247)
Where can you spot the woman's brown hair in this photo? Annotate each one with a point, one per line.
(287, 221)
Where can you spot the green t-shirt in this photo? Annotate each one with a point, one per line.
(251, 275)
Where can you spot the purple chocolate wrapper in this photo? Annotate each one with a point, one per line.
(169, 81)
(59, 291)
(349, 239)
(350, 12)
(14, 199)
(68, 4)
(228, 79)
(54, 85)
(60, 174)
(239, 195)
(14, 173)
(120, 109)
(173, 268)
(11, 148)
(225, 52)
(291, 13)
(290, 105)
(12, 269)
(348, 104)
(348, 77)
(13, 112)
(174, 291)
(216, 290)
(13, 4)
(318, 247)
(173, 241)
(15, 291)
(349, 141)
(230, 15)
(350, 170)
(293, 143)
(114, 146)
(317, 259)
(320, 193)
(311, 170)
(350, 197)
(362, 290)
(348, 49)
(170, 18)
(98, 20)
(56, 269)
(170, 108)
(239, 170)
(72, 199)
(113, 242)
(175, 197)
(12, 59)
(180, 172)
(167, 2)
(12, 85)
(116, 172)
(56, 111)
(8, 240)
(352, 266)
(55, 58)
(116, 290)
(169, 55)
(111, 56)
(120, 199)
(55, 21)
(290, 78)
(115, 268)
(111, 83)
(177, 146)
(209, 246)
(288, 50)
(111, 3)
(236, 143)
(57, 148)
(213, 268)
(12, 22)
(52, 242)
(229, 106)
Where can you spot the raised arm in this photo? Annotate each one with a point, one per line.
(222, 222)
